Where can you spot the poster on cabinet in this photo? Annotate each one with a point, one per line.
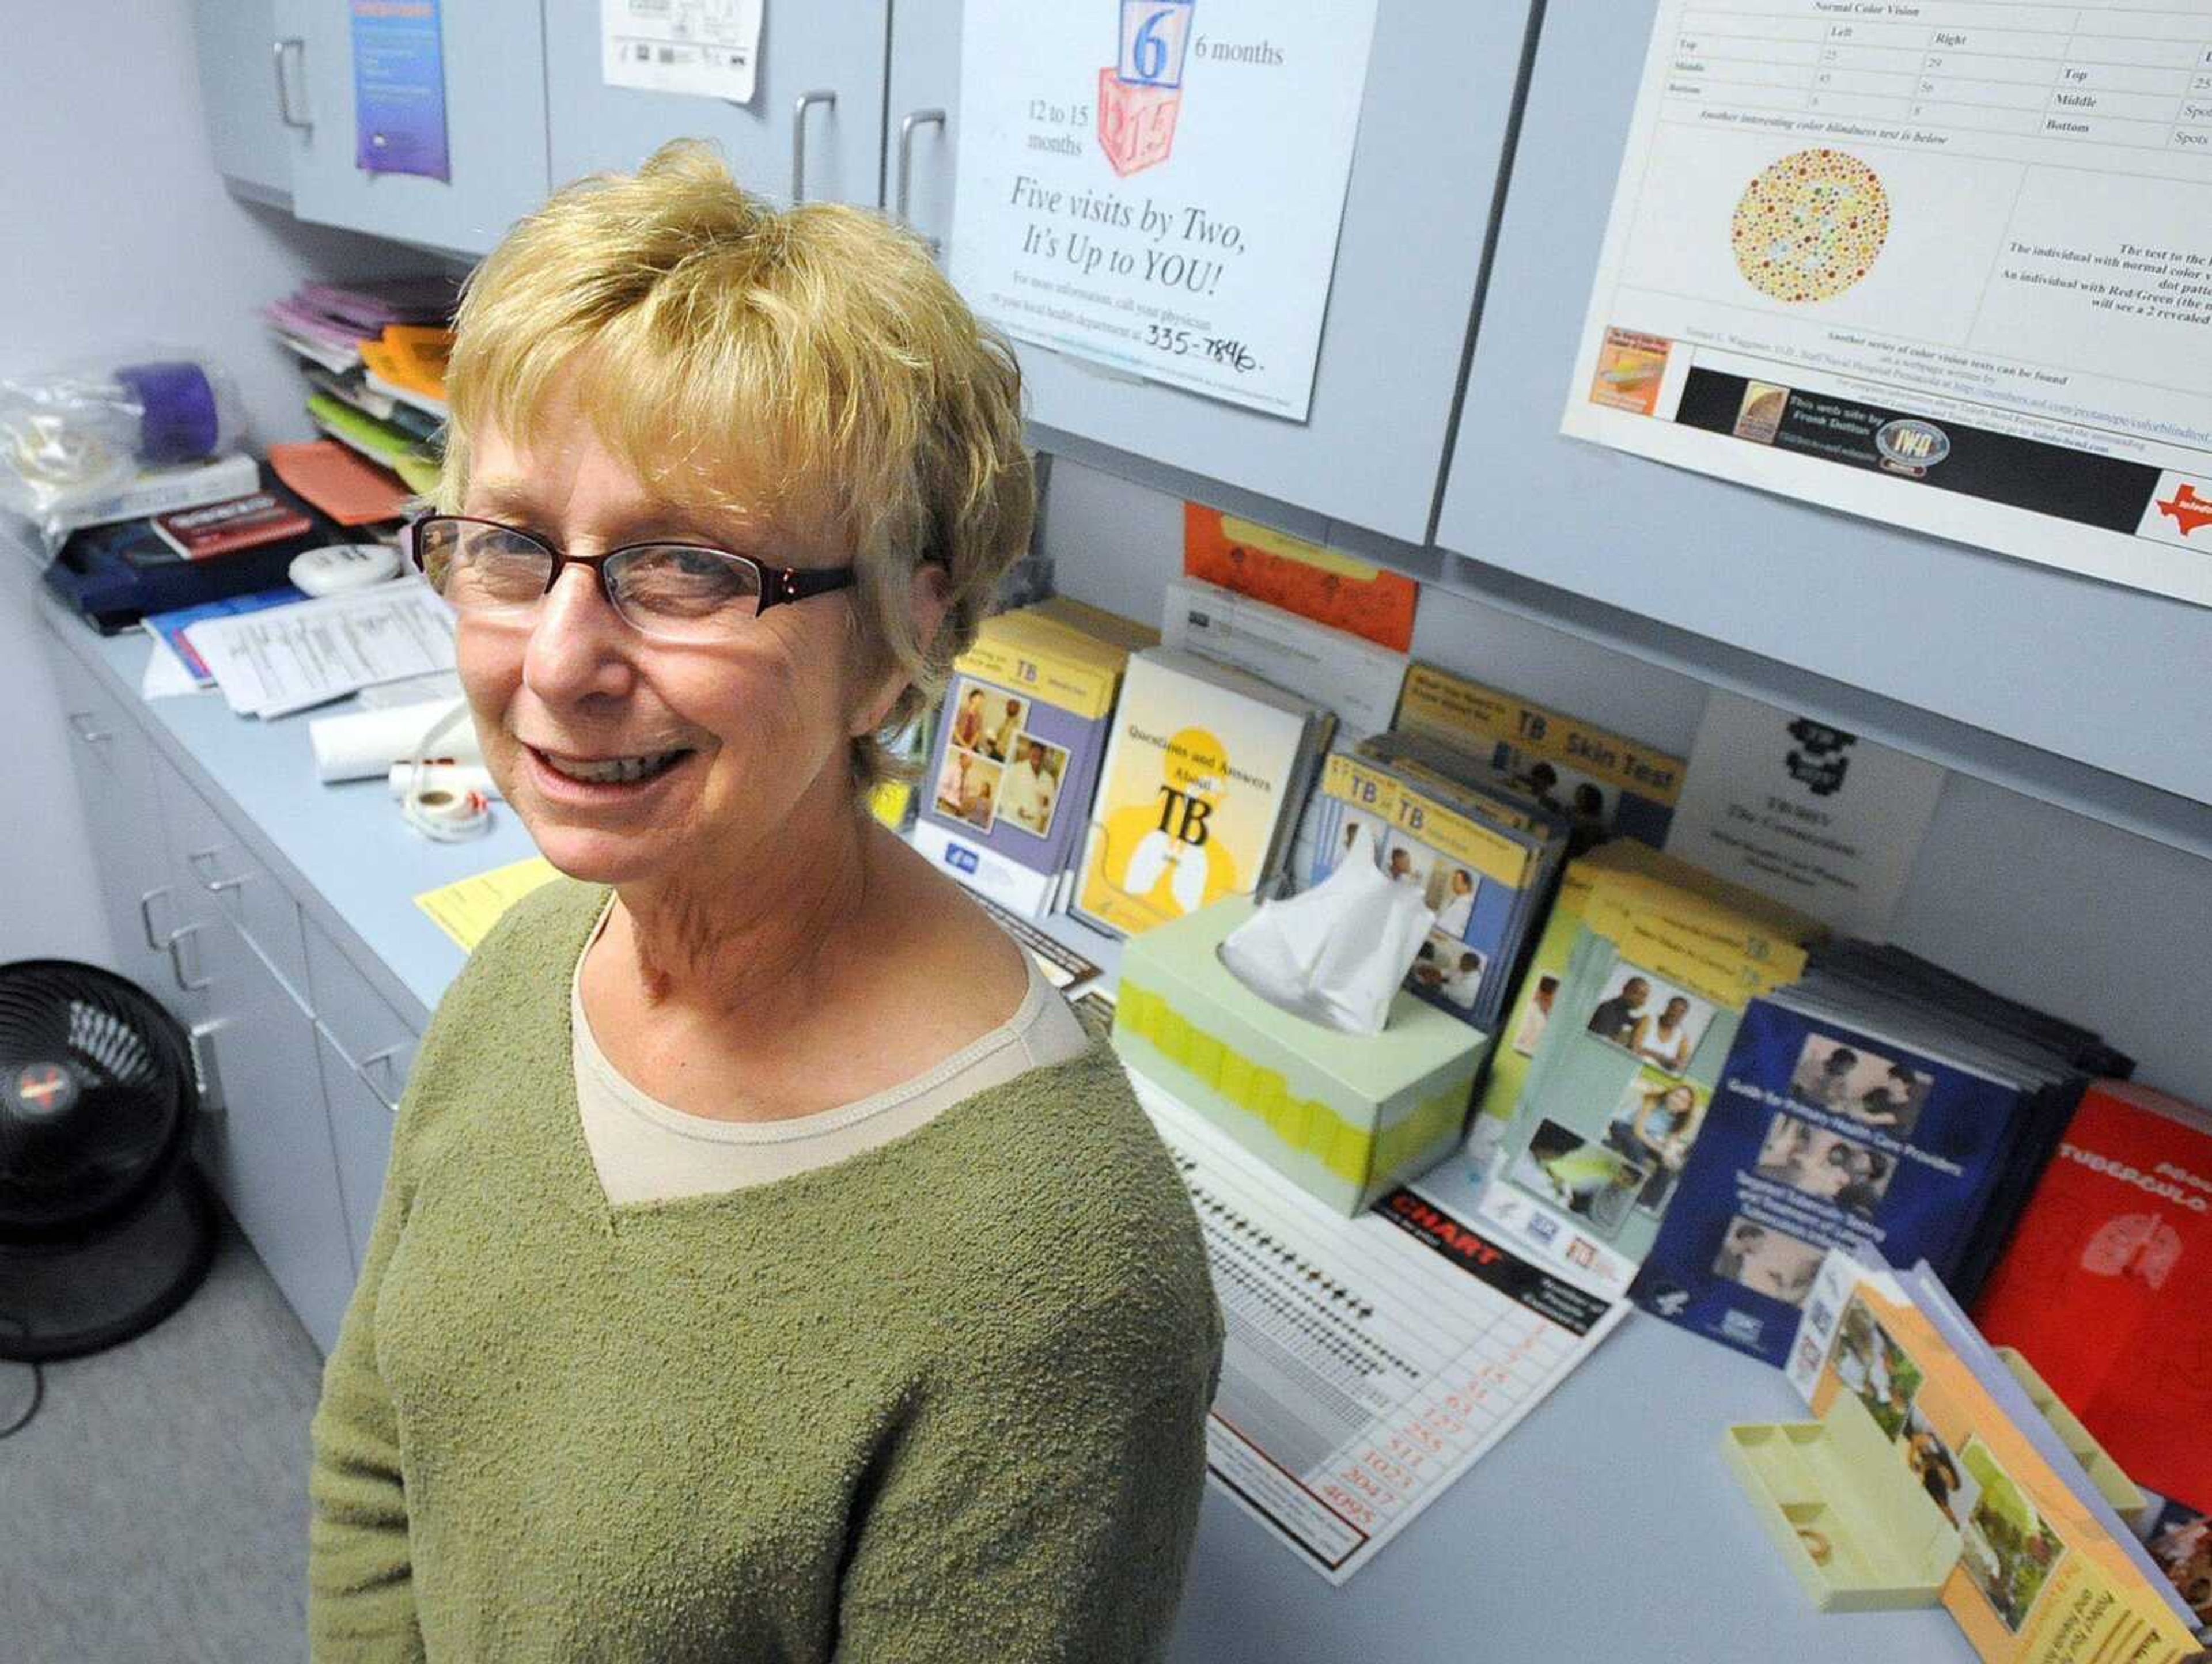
(1946, 265)
(1155, 186)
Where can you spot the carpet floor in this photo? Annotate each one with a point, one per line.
(155, 1508)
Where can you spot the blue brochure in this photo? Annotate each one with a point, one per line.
(1821, 1136)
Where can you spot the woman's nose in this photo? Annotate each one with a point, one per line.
(578, 644)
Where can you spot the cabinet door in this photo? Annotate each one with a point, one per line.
(839, 50)
(1441, 83)
(248, 74)
(493, 76)
(114, 766)
(269, 1152)
(367, 1050)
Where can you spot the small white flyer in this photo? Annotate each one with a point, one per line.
(705, 48)
(1805, 812)
(1155, 186)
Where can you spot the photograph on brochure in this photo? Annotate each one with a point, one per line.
(1772, 1261)
(1871, 1090)
(1538, 1012)
(1595, 1184)
(1646, 1014)
(2007, 1549)
(1446, 967)
(1819, 1161)
(1654, 1124)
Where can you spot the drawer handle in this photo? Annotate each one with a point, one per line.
(284, 87)
(383, 1059)
(205, 1074)
(146, 919)
(799, 109)
(176, 963)
(914, 119)
(203, 862)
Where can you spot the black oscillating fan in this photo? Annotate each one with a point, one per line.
(106, 1227)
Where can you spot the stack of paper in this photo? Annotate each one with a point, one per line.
(283, 659)
(1480, 851)
(1878, 1101)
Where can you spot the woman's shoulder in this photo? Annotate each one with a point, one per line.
(518, 973)
(1057, 1183)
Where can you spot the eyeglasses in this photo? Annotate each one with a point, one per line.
(670, 591)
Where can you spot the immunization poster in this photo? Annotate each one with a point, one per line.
(1155, 186)
(1939, 262)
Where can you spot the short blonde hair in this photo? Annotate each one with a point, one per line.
(811, 361)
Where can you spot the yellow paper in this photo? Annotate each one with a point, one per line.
(467, 909)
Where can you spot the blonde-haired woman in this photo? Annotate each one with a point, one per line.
(768, 1268)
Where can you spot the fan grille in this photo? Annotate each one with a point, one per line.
(96, 1096)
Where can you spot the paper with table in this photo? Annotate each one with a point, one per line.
(288, 658)
(707, 48)
(1945, 264)
(1369, 1361)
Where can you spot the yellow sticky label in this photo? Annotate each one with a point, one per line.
(467, 908)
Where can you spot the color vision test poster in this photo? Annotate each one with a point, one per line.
(1944, 264)
(1155, 186)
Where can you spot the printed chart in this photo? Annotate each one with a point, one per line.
(1946, 265)
(1369, 1361)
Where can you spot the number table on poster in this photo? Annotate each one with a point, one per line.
(1369, 1361)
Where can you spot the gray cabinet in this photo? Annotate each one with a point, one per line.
(114, 768)
(494, 77)
(366, 1050)
(1440, 90)
(837, 50)
(249, 80)
(269, 1150)
(206, 926)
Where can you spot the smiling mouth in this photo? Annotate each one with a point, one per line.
(613, 770)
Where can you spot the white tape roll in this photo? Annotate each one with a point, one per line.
(448, 815)
(456, 777)
(362, 745)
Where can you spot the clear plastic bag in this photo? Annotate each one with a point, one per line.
(73, 435)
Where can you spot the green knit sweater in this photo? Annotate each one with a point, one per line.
(944, 1401)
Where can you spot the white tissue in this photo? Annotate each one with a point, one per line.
(1337, 953)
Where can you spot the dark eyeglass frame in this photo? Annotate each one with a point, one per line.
(778, 585)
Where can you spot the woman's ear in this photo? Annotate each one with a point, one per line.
(929, 596)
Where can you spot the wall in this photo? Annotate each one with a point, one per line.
(2091, 922)
(120, 231)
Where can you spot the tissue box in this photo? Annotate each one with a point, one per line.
(1343, 1116)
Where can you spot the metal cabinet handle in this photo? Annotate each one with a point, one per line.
(205, 1071)
(146, 918)
(176, 963)
(914, 119)
(202, 861)
(361, 1068)
(385, 1057)
(284, 87)
(80, 723)
(799, 109)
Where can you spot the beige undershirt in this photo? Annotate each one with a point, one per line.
(647, 1151)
